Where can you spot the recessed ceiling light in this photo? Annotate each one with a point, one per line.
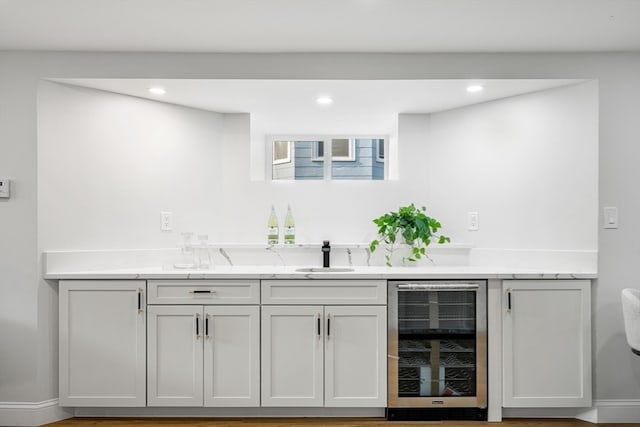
(475, 88)
(156, 90)
(324, 100)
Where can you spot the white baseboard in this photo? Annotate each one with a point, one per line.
(32, 413)
(585, 414)
(228, 412)
(602, 411)
(618, 411)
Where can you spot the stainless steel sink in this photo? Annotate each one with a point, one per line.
(324, 269)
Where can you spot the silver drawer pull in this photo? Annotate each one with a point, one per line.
(198, 291)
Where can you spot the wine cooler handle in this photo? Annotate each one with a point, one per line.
(438, 286)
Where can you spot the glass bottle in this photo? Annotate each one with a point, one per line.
(289, 228)
(273, 230)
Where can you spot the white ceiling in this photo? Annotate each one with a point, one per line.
(321, 25)
(288, 106)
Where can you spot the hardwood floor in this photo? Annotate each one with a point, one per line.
(316, 422)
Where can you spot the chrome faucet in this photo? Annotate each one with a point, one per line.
(326, 252)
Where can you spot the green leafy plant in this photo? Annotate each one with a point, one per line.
(409, 225)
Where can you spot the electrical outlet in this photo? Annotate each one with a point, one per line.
(472, 221)
(166, 221)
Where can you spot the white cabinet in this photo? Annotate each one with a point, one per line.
(203, 355)
(323, 355)
(175, 356)
(232, 356)
(355, 357)
(102, 343)
(292, 356)
(546, 343)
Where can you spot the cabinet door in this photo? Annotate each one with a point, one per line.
(546, 343)
(292, 356)
(174, 365)
(356, 356)
(232, 356)
(102, 343)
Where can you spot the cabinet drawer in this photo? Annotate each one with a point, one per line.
(203, 292)
(324, 292)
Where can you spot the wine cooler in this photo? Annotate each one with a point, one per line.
(437, 349)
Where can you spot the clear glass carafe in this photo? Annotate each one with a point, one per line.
(187, 255)
(203, 252)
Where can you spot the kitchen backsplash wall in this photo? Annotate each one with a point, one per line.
(109, 164)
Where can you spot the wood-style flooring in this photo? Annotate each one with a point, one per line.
(315, 422)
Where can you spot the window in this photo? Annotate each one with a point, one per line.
(342, 150)
(380, 150)
(300, 158)
(281, 152)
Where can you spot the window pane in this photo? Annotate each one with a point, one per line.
(281, 151)
(360, 164)
(340, 148)
(380, 143)
(319, 150)
(307, 165)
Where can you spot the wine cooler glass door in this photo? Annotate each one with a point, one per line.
(435, 334)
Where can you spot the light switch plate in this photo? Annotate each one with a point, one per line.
(472, 221)
(5, 185)
(610, 217)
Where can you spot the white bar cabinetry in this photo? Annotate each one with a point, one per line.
(203, 355)
(320, 354)
(546, 343)
(102, 343)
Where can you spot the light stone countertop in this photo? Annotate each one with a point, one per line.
(359, 272)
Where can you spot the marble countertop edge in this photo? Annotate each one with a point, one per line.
(272, 272)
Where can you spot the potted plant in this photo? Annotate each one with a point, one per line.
(409, 225)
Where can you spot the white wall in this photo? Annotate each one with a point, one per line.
(527, 164)
(109, 163)
(23, 299)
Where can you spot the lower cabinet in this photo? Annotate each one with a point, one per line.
(546, 343)
(317, 355)
(203, 355)
(102, 343)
